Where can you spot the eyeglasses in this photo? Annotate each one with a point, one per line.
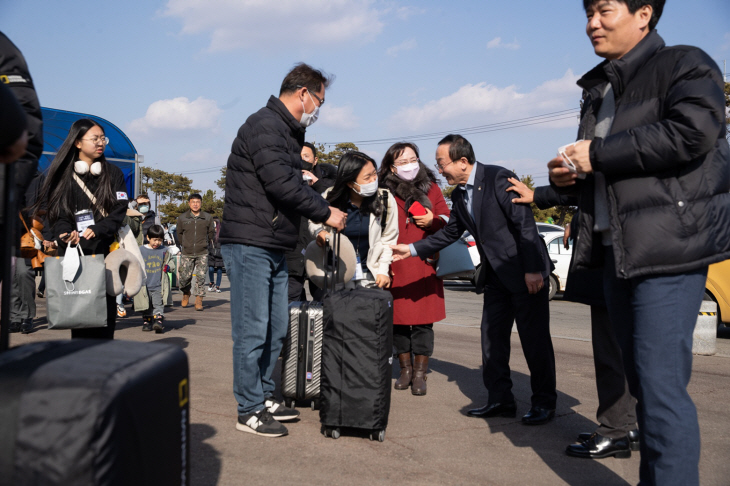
(320, 100)
(402, 162)
(97, 140)
(441, 168)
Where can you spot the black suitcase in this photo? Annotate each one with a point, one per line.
(301, 360)
(94, 412)
(357, 361)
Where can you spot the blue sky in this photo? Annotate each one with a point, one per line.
(180, 76)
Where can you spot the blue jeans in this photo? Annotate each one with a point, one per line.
(259, 319)
(213, 271)
(654, 317)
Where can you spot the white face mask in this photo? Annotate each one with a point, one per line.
(367, 190)
(408, 172)
(309, 118)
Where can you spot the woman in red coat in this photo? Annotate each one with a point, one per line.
(418, 294)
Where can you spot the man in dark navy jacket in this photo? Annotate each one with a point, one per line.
(265, 198)
(515, 268)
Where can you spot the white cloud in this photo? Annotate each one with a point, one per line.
(178, 114)
(268, 25)
(341, 117)
(407, 45)
(497, 43)
(482, 103)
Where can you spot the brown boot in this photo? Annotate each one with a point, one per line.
(199, 302)
(186, 300)
(420, 367)
(406, 372)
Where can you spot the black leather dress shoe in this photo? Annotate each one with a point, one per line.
(538, 416)
(495, 410)
(598, 447)
(633, 436)
(26, 325)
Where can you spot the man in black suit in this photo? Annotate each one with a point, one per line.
(515, 268)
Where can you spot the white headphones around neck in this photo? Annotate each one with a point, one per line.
(81, 168)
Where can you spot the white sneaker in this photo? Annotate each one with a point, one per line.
(279, 411)
(260, 423)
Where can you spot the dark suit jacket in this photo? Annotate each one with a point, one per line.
(505, 232)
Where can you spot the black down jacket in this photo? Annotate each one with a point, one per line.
(265, 192)
(666, 162)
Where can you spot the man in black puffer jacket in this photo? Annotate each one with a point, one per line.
(655, 212)
(265, 198)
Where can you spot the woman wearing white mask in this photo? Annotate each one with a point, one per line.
(418, 294)
(356, 193)
(85, 199)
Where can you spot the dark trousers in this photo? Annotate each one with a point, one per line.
(22, 291)
(418, 339)
(532, 315)
(296, 291)
(654, 318)
(101, 332)
(298, 294)
(616, 407)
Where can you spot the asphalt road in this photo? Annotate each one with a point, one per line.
(429, 440)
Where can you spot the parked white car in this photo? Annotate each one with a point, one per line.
(561, 259)
(553, 237)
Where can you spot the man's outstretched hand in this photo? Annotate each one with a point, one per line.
(400, 252)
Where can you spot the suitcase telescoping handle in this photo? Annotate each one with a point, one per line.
(335, 262)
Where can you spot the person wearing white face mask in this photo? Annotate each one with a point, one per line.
(356, 192)
(266, 199)
(418, 294)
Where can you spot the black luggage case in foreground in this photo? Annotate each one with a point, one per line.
(94, 412)
(357, 361)
(300, 369)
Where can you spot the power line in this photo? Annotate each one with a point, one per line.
(492, 127)
(505, 125)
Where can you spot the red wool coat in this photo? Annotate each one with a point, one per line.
(418, 294)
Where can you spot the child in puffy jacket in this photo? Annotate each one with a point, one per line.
(155, 258)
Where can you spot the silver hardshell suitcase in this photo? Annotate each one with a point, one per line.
(302, 358)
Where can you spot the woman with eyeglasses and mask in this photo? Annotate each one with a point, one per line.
(418, 294)
(80, 161)
(356, 193)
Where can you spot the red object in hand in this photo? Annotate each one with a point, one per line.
(166, 268)
(417, 209)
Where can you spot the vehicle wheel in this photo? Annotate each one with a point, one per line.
(553, 282)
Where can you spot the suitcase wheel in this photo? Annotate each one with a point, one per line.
(290, 403)
(315, 404)
(334, 433)
(378, 435)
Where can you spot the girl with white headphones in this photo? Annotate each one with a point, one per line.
(85, 200)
